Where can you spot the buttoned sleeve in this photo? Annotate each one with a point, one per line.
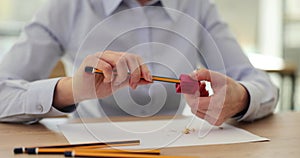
(26, 94)
(225, 55)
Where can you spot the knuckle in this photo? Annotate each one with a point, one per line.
(135, 69)
(129, 57)
(121, 60)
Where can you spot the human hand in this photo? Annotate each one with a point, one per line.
(229, 98)
(115, 67)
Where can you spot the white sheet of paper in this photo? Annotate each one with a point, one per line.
(158, 133)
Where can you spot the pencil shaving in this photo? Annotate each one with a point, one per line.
(188, 130)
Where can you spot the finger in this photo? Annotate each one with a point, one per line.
(118, 63)
(195, 110)
(134, 68)
(192, 100)
(198, 108)
(201, 74)
(116, 87)
(210, 119)
(204, 116)
(143, 82)
(121, 70)
(199, 102)
(216, 113)
(110, 56)
(146, 74)
(106, 69)
(200, 114)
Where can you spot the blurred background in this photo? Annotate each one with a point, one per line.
(268, 31)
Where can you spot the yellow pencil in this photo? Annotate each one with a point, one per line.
(154, 78)
(110, 150)
(116, 155)
(96, 149)
(71, 146)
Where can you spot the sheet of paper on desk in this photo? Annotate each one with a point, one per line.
(158, 133)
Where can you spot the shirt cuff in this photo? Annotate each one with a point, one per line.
(40, 98)
(254, 102)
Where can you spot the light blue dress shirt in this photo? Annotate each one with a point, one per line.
(172, 36)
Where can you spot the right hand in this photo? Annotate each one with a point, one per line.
(229, 98)
(115, 67)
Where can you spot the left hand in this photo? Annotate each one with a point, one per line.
(229, 98)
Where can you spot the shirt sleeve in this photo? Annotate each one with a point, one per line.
(223, 54)
(27, 101)
(26, 94)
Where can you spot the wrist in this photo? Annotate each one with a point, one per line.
(244, 104)
(63, 93)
